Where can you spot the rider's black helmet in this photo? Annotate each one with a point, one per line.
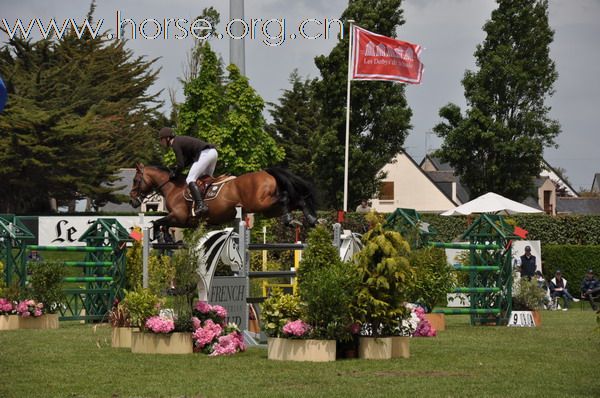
(166, 132)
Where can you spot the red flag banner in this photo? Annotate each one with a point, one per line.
(377, 57)
(520, 232)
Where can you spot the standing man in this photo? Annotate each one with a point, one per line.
(189, 151)
(528, 264)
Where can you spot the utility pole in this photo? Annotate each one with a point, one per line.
(237, 48)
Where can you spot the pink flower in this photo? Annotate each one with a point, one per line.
(196, 322)
(160, 325)
(6, 307)
(220, 311)
(203, 307)
(37, 313)
(355, 328)
(296, 328)
(206, 334)
(228, 344)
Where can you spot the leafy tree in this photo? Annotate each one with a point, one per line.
(380, 118)
(78, 111)
(498, 144)
(227, 113)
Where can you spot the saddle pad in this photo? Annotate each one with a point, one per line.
(215, 188)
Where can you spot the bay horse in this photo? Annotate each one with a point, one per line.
(272, 192)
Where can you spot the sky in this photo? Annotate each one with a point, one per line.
(449, 31)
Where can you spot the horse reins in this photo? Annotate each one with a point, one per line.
(142, 197)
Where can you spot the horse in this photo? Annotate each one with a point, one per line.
(272, 192)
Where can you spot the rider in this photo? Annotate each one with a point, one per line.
(190, 151)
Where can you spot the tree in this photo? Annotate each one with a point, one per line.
(226, 112)
(498, 144)
(78, 110)
(296, 124)
(380, 118)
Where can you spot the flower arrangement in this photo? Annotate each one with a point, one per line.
(158, 324)
(6, 307)
(296, 328)
(211, 335)
(424, 328)
(27, 308)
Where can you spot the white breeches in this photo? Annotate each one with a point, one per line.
(205, 165)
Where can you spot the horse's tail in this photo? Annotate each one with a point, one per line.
(299, 191)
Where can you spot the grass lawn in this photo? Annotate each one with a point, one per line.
(558, 359)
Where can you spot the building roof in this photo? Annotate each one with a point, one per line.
(578, 205)
(444, 180)
(437, 163)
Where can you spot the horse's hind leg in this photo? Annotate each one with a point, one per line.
(285, 208)
(311, 218)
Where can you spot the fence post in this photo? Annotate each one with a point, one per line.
(145, 255)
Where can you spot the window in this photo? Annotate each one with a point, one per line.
(386, 190)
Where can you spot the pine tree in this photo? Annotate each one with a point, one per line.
(78, 111)
(498, 144)
(295, 125)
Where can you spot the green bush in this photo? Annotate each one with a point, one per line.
(46, 283)
(160, 270)
(528, 296)
(573, 262)
(386, 278)
(141, 305)
(434, 277)
(277, 310)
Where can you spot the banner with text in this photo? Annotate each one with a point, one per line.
(378, 57)
(66, 231)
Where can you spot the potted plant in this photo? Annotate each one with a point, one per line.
(326, 287)
(46, 290)
(120, 322)
(8, 315)
(385, 278)
(528, 296)
(434, 278)
(160, 337)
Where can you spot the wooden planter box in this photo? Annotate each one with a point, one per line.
(280, 349)
(537, 317)
(155, 343)
(438, 321)
(46, 321)
(121, 337)
(400, 347)
(375, 348)
(9, 322)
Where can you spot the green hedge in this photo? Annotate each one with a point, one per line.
(573, 262)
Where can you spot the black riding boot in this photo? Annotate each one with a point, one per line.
(199, 205)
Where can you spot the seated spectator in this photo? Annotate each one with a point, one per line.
(363, 207)
(558, 288)
(590, 288)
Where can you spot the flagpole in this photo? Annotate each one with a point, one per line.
(346, 153)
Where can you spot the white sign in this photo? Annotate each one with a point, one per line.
(523, 319)
(66, 231)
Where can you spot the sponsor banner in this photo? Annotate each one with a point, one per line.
(378, 57)
(66, 231)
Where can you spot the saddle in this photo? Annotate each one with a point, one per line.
(209, 186)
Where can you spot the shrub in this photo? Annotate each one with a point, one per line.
(386, 278)
(528, 296)
(160, 270)
(277, 310)
(434, 277)
(141, 304)
(46, 284)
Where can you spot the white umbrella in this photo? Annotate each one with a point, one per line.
(491, 203)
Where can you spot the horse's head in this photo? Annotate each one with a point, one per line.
(142, 186)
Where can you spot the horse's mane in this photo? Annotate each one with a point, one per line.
(160, 167)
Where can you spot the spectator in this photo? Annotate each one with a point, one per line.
(590, 288)
(558, 288)
(34, 255)
(363, 207)
(528, 264)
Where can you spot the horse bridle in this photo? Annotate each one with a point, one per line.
(138, 187)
